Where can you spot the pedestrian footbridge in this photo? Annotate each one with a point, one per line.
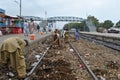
(65, 18)
(88, 23)
(58, 18)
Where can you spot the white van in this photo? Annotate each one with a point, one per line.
(114, 30)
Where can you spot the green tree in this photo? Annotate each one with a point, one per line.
(107, 24)
(79, 26)
(94, 20)
(100, 24)
(118, 24)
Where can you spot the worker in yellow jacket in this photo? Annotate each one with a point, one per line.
(67, 36)
(12, 53)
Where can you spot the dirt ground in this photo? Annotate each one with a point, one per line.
(62, 64)
(105, 62)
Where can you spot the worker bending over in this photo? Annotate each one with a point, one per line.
(12, 54)
(56, 41)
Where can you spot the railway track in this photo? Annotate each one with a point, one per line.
(39, 58)
(43, 56)
(103, 61)
(35, 52)
(106, 43)
(93, 76)
(59, 62)
(55, 64)
(84, 63)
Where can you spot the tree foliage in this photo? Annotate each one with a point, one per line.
(79, 26)
(107, 24)
(94, 20)
(118, 24)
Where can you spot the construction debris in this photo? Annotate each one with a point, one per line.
(60, 64)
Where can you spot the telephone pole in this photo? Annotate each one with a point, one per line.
(20, 8)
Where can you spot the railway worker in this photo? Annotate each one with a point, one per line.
(62, 36)
(12, 55)
(56, 40)
(62, 33)
(66, 36)
(77, 35)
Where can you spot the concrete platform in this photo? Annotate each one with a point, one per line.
(111, 35)
(37, 36)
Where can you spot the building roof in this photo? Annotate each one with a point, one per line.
(2, 11)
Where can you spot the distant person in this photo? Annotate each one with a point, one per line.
(77, 35)
(62, 33)
(31, 26)
(12, 55)
(56, 40)
(26, 31)
(62, 36)
(38, 27)
(44, 30)
(1, 33)
(66, 36)
(7, 30)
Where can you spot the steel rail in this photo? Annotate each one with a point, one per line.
(105, 43)
(33, 69)
(108, 44)
(83, 61)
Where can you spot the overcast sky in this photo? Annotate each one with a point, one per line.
(101, 9)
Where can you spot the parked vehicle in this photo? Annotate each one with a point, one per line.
(114, 30)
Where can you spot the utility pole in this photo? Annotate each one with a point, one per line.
(20, 10)
(20, 7)
(46, 20)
